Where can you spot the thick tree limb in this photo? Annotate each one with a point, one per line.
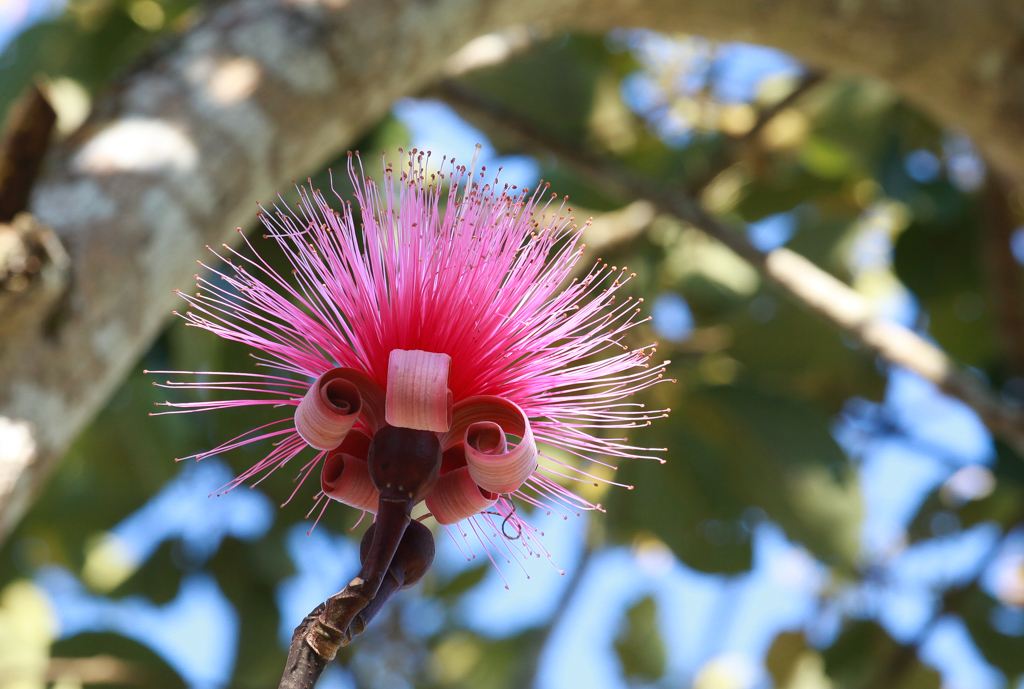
(178, 152)
(797, 277)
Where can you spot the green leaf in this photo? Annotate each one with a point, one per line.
(116, 655)
(817, 366)
(460, 583)
(783, 656)
(1001, 650)
(466, 661)
(865, 657)
(826, 159)
(639, 645)
(248, 579)
(787, 442)
(938, 257)
(561, 102)
(689, 502)
(730, 448)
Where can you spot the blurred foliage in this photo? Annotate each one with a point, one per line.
(865, 656)
(733, 448)
(759, 380)
(639, 646)
(91, 42)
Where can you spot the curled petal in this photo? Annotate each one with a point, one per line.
(417, 392)
(456, 496)
(483, 424)
(486, 438)
(334, 403)
(328, 411)
(347, 479)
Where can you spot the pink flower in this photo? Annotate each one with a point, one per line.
(440, 304)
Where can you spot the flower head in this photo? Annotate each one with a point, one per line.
(440, 303)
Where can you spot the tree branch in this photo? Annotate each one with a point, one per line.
(797, 277)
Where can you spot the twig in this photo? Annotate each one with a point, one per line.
(616, 230)
(395, 552)
(304, 665)
(529, 676)
(807, 82)
(799, 278)
(331, 625)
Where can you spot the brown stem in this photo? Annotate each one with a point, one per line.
(389, 587)
(392, 521)
(335, 623)
(304, 665)
(395, 552)
(330, 630)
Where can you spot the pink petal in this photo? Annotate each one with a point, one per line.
(456, 496)
(417, 392)
(332, 405)
(347, 479)
(483, 423)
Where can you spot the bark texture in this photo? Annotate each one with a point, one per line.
(264, 91)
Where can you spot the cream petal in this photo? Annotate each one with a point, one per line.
(417, 391)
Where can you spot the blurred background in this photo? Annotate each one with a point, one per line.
(824, 520)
